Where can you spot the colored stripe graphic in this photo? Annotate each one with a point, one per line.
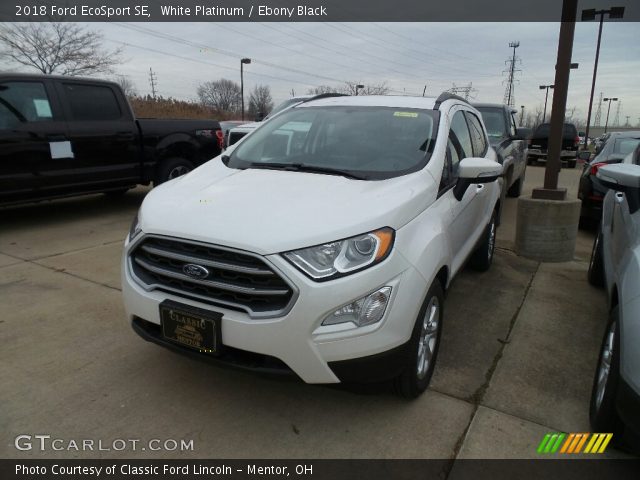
(573, 443)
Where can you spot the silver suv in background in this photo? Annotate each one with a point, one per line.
(615, 264)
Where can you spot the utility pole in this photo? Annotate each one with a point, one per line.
(509, 97)
(153, 80)
(546, 97)
(590, 14)
(616, 121)
(424, 90)
(521, 114)
(465, 91)
(606, 122)
(596, 122)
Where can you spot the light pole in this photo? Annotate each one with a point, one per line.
(243, 62)
(587, 15)
(606, 123)
(546, 97)
(358, 87)
(521, 114)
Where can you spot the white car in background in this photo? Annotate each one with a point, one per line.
(239, 132)
(323, 243)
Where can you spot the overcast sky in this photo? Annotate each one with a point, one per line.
(407, 56)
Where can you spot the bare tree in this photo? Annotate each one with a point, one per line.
(350, 89)
(54, 47)
(127, 85)
(320, 89)
(223, 95)
(260, 101)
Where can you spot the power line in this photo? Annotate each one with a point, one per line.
(596, 121)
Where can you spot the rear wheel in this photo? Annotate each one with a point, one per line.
(172, 168)
(423, 345)
(596, 265)
(482, 258)
(602, 412)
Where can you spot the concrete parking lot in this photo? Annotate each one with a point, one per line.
(518, 355)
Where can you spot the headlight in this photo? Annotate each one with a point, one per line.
(135, 229)
(343, 257)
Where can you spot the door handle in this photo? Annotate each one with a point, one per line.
(124, 135)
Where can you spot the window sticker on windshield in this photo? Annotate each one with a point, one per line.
(406, 114)
(43, 109)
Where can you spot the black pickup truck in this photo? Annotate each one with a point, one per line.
(64, 136)
(539, 143)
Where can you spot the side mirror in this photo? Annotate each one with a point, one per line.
(475, 170)
(522, 133)
(584, 155)
(625, 178)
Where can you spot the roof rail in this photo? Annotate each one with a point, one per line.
(325, 95)
(447, 96)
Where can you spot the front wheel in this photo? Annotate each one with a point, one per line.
(423, 345)
(172, 168)
(516, 189)
(482, 258)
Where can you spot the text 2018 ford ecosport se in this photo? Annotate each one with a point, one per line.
(321, 244)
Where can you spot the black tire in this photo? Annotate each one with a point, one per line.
(416, 375)
(482, 257)
(515, 190)
(596, 265)
(602, 410)
(171, 168)
(571, 163)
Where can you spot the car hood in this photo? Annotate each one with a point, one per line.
(270, 211)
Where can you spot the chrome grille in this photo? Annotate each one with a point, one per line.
(235, 279)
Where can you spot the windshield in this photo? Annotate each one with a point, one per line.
(282, 106)
(367, 142)
(494, 121)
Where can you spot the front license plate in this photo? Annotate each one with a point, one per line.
(191, 327)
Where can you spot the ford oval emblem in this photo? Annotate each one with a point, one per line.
(195, 271)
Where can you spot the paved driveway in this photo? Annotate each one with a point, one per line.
(520, 346)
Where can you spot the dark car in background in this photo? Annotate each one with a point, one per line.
(508, 141)
(64, 136)
(591, 192)
(539, 144)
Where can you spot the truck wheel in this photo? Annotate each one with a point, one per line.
(596, 267)
(516, 189)
(172, 168)
(423, 345)
(483, 256)
(571, 163)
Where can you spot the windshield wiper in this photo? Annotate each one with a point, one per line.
(301, 167)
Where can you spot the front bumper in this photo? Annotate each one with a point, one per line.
(541, 155)
(296, 340)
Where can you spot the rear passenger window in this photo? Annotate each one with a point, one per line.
(92, 102)
(461, 131)
(478, 139)
(25, 101)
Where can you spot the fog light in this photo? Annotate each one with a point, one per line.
(364, 311)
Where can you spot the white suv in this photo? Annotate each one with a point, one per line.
(321, 244)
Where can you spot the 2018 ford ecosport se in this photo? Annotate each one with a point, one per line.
(323, 243)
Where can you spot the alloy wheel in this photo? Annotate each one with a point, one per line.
(428, 337)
